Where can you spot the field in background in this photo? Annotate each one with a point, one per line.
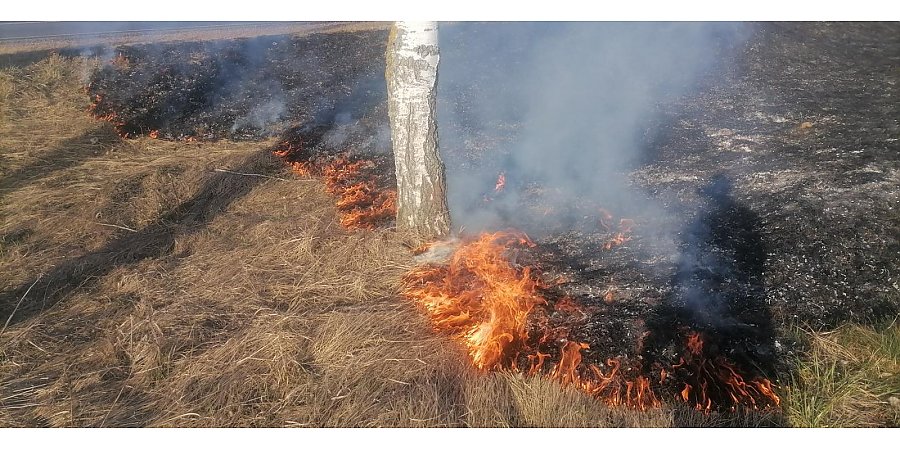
(202, 284)
(16, 48)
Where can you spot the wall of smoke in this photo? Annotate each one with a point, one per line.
(565, 106)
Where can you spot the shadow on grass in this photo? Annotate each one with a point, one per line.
(153, 241)
(68, 153)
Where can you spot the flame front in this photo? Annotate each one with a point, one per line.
(360, 202)
(479, 298)
(612, 387)
(716, 376)
(488, 304)
(484, 302)
(353, 180)
(95, 110)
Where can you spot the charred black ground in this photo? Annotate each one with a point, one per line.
(782, 171)
(240, 89)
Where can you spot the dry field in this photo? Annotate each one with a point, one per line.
(155, 283)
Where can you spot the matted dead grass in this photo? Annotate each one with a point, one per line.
(153, 283)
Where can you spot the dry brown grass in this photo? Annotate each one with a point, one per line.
(162, 292)
(7, 84)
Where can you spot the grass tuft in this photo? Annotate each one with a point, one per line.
(847, 379)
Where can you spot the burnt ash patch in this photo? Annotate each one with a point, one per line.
(805, 125)
(801, 122)
(240, 89)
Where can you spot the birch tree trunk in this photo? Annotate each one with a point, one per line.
(411, 72)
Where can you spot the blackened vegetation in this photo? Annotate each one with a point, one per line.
(239, 89)
(805, 124)
(803, 120)
(781, 173)
(717, 297)
(629, 311)
(323, 95)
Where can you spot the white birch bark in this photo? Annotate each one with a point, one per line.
(411, 72)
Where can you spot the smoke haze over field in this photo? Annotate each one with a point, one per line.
(566, 112)
(579, 96)
(244, 88)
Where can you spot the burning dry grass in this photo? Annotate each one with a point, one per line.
(155, 283)
(358, 184)
(497, 311)
(149, 282)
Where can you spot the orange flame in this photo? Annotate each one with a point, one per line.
(360, 202)
(718, 371)
(623, 230)
(302, 169)
(489, 305)
(110, 117)
(616, 241)
(612, 388)
(480, 298)
(501, 182)
(694, 343)
(569, 362)
(484, 303)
